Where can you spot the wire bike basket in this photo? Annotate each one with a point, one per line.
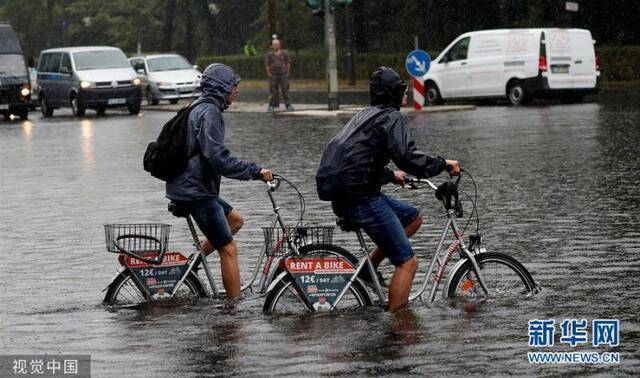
(144, 241)
(276, 242)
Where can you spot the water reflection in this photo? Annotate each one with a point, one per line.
(27, 130)
(86, 128)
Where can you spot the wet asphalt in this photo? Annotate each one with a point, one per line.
(558, 188)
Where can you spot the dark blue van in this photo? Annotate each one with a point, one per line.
(15, 87)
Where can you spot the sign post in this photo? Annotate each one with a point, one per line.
(417, 64)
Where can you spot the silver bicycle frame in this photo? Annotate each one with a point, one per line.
(442, 262)
(277, 219)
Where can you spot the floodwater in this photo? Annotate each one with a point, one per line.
(558, 187)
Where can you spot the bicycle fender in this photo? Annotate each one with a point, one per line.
(118, 272)
(276, 280)
(450, 275)
(274, 267)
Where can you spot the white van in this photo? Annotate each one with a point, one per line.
(96, 77)
(517, 64)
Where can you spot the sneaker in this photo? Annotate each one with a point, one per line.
(290, 108)
(366, 279)
(269, 109)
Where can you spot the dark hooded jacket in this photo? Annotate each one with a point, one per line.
(353, 165)
(211, 159)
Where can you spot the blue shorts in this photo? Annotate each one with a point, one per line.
(210, 215)
(383, 218)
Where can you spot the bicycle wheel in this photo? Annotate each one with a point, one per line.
(503, 275)
(284, 298)
(124, 290)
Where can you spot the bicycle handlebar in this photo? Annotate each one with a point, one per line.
(445, 192)
(274, 184)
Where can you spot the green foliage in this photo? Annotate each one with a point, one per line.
(310, 65)
(619, 63)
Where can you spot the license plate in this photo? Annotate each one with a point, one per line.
(4, 106)
(116, 101)
(560, 69)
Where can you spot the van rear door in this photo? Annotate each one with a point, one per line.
(571, 57)
(559, 59)
(583, 71)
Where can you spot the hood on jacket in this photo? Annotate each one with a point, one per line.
(386, 88)
(217, 82)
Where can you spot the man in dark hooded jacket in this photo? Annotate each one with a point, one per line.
(353, 169)
(198, 188)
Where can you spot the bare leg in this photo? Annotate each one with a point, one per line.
(230, 269)
(401, 284)
(235, 221)
(378, 254)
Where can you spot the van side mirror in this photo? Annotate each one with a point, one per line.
(196, 67)
(65, 70)
(140, 71)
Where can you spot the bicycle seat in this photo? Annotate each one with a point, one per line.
(177, 210)
(347, 225)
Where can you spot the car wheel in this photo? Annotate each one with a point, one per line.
(7, 116)
(101, 111)
(432, 94)
(77, 107)
(173, 101)
(24, 113)
(516, 94)
(150, 99)
(45, 108)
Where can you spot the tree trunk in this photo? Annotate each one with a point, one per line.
(168, 24)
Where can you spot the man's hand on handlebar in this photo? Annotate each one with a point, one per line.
(452, 167)
(400, 177)
(266, 175)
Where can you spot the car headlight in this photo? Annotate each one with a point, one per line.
(24, 92)
(85, 84)
(136, 81)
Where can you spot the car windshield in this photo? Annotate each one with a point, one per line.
(12, 65)
(168, 63)
(100, 59)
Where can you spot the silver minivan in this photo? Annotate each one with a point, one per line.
(94, 77)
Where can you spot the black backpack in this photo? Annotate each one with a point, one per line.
(167, 157)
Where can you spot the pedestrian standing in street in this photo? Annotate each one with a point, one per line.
(278, 66)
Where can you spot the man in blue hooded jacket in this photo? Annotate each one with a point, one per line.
(198, 188)
(353, 169)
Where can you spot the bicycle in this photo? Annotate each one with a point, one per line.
(477, 275)
(150, 273)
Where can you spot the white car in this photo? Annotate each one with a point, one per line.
(517, 64)
(167, 77)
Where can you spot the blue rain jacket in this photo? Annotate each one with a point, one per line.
(211, 159)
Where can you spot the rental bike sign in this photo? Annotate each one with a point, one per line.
(159, 280)
(321, 279)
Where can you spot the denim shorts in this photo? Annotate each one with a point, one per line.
(210, 214)
(384, 218)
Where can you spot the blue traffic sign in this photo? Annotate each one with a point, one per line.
(417, 63)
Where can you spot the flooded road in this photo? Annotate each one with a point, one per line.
(559, 189)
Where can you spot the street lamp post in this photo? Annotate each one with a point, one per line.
(332, 61)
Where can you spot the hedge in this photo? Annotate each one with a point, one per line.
(309, 65)
(617, 63)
